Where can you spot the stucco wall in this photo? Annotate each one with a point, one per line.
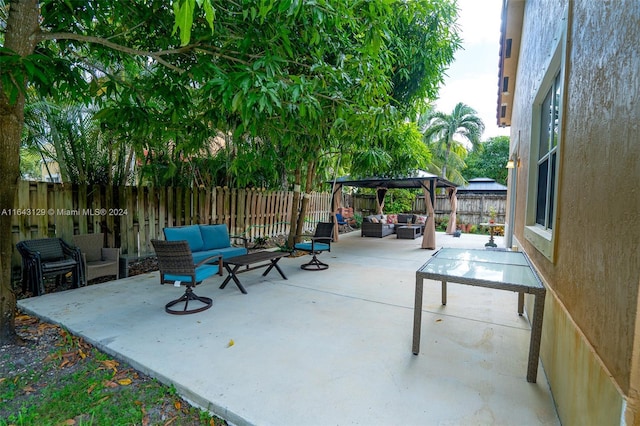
(596, 268)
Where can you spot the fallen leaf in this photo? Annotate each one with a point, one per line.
(69, 422)
(28, 389)
(231, 343)
(110, 384)
(439, 320)
(91, 388)
(110, 364)
(103, 399)
(125, 382)
(24, 318)
(177, 404)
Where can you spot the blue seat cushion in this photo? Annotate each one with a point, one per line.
(231, 252)
(190, 233)
(202, 273)
(214, 236)
(224, 252)
(316, 246)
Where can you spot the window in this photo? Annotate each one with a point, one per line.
(548, 155)
(505, 84)
(507, 53)
(544, 155)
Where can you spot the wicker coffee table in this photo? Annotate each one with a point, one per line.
(408, 232)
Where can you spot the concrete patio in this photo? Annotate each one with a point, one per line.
(329, 347)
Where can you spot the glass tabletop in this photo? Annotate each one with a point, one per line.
(504, 267)
(480, 255)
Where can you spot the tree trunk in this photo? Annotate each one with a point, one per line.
(293, 222)
(311, 170)
(20, 36)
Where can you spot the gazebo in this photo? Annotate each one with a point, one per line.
(420, 179)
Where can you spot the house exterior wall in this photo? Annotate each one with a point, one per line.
(591, 344)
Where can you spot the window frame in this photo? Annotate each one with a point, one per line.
(543, 237)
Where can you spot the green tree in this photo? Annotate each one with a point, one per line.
(440, 130)
(489, 160)
(301, 81)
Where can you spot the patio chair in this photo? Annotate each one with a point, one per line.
(97, 261)
(320, 241)
(48, 257)
(176, 266)
(342, 223)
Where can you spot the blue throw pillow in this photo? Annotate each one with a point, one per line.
(214, 236)
(189, 233)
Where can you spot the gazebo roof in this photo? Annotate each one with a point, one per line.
(483, 185)
(412, 181)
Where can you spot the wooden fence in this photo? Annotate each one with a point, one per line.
(472, 208)
(135, 215)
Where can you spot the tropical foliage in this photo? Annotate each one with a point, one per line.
(440, 131)
(289, 87)
(489, 160)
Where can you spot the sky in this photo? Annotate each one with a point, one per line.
(473, 76)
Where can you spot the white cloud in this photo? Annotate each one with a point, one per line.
(473, 76)
(479, 21)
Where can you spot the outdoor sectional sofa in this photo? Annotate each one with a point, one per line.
(382, 225)
(206, 241)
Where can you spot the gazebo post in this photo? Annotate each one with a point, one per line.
(429, 236)
(336, 203)
(380, 194)
(453, 200)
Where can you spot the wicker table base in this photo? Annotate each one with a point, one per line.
(475, 267)
(408, 232)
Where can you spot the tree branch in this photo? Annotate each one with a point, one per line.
(157, 56)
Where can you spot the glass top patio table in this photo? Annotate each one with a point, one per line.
(499, 269)
(496, 269)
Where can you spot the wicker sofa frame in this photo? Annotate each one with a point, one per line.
(380, 229)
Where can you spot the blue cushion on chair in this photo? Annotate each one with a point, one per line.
(190, 233)
(202, 273)
(214, 236)
(316, 246)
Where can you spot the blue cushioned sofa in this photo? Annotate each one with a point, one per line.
(206, 241)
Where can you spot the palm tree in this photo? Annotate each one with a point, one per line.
(440, 128)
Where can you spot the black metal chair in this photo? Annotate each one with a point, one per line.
(175, 263)
(319, 242)
(48, 257)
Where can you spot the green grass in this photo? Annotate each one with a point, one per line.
(78, 385)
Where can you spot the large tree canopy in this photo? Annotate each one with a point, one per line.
(304, 81)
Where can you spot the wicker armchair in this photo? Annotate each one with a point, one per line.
(97, 261)
(176, 265)
(48, 257)
(320, 241)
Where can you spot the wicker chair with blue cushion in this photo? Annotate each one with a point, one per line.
(319, 242)
(176, 265)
